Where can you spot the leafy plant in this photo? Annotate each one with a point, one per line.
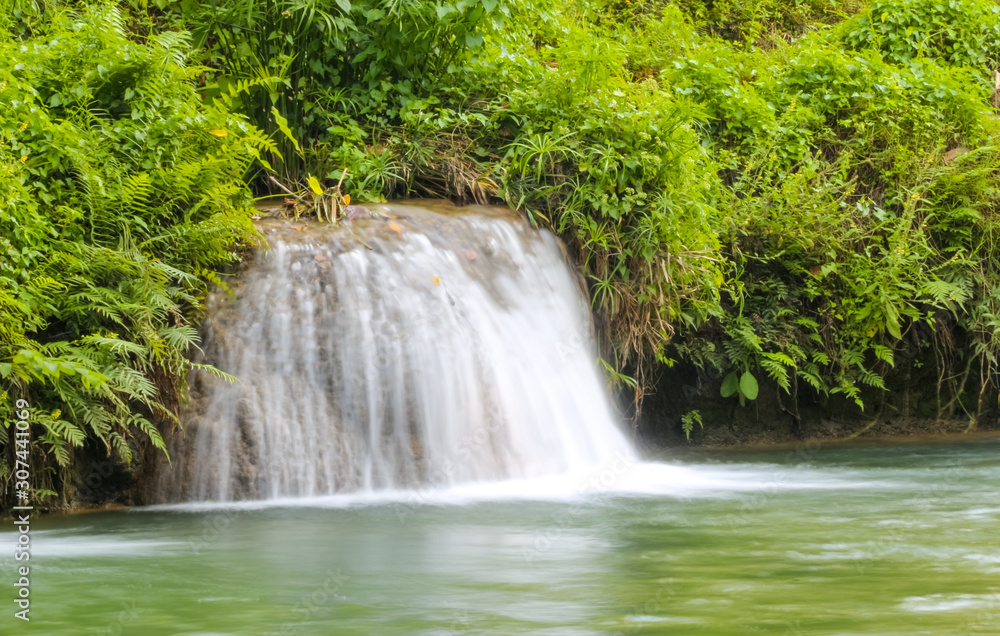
(962, 34)
(122, 192)
(321, 67)
(745, 386)
(794, 193)
(688, 420)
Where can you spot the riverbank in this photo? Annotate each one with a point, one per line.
(743, 430)
(834, 434)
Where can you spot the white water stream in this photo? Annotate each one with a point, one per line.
(422, 350)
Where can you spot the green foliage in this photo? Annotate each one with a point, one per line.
(120, 187)
(958, 33)
(745, 386)
(688, 420)
(744, 187)
(833, 240)
(333, 69)
(765, 22)
(616, 166)
(787, 212)
(747, 185)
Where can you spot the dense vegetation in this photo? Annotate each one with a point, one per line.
(121, 192)
(790, 190)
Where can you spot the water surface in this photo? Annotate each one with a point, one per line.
(878, 540)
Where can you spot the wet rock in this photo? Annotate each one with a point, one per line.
(248, 422)
(355, 212)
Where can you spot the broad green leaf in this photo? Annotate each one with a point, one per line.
(730, 385)
(748, 386)
(283, 127)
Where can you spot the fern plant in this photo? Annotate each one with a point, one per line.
(121, 190)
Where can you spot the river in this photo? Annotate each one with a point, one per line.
(886, 540)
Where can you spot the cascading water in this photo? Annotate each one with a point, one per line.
(412, 351)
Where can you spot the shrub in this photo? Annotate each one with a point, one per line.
(958, 33)
(122, 192)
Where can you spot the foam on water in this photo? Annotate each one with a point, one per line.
(949, 602)
(620, 477)
(61, 544)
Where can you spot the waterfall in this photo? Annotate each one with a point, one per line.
(416, 350)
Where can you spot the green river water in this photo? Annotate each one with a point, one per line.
(900, 540)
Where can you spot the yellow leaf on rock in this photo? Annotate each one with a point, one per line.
(395, 227)
(436, 280)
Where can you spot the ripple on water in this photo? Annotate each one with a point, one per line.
(950, 602)
(61, 544)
